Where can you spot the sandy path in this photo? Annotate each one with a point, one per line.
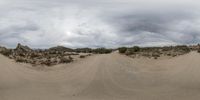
(104, 77)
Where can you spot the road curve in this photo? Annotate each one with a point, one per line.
(103, 77)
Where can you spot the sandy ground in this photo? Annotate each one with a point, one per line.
(104, 77)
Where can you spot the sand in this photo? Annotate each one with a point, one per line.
(103, 77)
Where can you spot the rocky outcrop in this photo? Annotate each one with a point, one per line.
(21, 48)
(49, 57)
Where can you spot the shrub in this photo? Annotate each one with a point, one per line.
(184, 48)
(20, 60)
(34, 55)
(47, 62)
(82, 56)
(83, 50)
(65, 60)
(107, 51)
(135, 49)
(132, 50)
(129, 52)
(102, 51)
(122, 49)
(6, 52)
(198, 50)
(155, 55)
(167, 48)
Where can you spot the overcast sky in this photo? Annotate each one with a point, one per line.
(97, 23)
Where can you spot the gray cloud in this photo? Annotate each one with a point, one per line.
(92, 23)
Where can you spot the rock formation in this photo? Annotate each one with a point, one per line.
(48, 57)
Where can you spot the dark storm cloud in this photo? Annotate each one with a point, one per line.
(173, 26)
(92, 23)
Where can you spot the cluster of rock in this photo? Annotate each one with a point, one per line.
(156, 52)
(49, 57)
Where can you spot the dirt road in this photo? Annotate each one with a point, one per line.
(104, 77)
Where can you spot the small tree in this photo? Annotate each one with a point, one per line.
(122, 49)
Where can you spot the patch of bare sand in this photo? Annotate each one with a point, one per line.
(104, 77)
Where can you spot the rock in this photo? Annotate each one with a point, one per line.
(22, 49)
(65, 59)
(48, 57)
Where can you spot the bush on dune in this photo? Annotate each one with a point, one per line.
(122, 49)
(132, 50)
(102, 51)
(83, 50)
(135, 49)
(183, 48)
(82, 56)
(6, 52)
(198, 50)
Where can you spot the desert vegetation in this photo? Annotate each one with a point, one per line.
(60, 54)
(122, 49)
(198, 51)
(49, 57)
(101, 51)
(154, 52)
(95, 51)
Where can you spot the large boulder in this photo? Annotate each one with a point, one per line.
(22, 49)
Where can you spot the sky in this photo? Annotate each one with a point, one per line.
(98, 23)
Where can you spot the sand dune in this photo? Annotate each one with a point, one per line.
(103, 77)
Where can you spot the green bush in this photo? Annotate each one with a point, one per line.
(122, 49)
(108, 51)
(198, 51)
(83, 50)
(183, 48)
(167, 48)
(102, 51)
(135, 49)
(65, 60)
(20, 60)
(82, 56)
(6, 52)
